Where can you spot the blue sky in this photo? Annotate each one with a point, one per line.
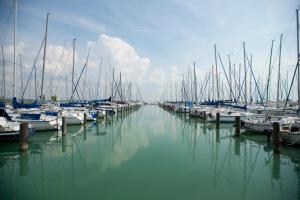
(163, 37)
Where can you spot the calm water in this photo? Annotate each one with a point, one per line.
(148, 154)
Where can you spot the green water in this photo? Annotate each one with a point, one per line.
(149, 154)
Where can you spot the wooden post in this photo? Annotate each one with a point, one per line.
(63, 125)
(275, 137)
(204, 115)
(217, 120)
(97, 116)
(84, 118)
(106, 114)
(23, 138)
(237, 126)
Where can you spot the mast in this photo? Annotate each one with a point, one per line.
(250, 86)
(51, 84)
(106, 84)
(21, 70)
(67, 87)
(3, 78)
(14, 70)
(44, 59)
(298, 56)
(278, 80)
(234, 76)
(217, 81)
(213, 82)
(245, 69)
(73, 64)
(230, 83)
(269, 74)
(98, 82)
(35, 84)
(239, 88)
(195, 83)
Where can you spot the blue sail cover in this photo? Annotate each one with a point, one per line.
(31, 116)
(51, 113)
(2, 105)
(16, 104)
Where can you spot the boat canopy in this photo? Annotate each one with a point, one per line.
(31, 116)
(17, 104)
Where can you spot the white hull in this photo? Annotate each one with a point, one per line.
(73, 120)
(41, 125)
(290, 137)
(258, 127)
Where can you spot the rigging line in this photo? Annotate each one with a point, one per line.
(34, 67)
(225, 73)
(205, 86)
(62, 69)
(261, 98)
(85, 64)
(287, 98)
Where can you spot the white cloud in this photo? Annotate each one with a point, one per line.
(123, 57)
(157, 76)
(58, 59)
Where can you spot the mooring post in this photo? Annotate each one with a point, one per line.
(275, 137)
(218, 120)
(84, 118)
(63, 125)
(237, 126)
(23, 138)
(97, 116)
(204, 115)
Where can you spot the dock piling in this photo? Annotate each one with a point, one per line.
(237, 126)
(23, 138)
(84, 118)
(276, 137)
(97, 116)
(217, 120)
(63, 125)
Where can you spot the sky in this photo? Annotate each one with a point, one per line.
(152, 43)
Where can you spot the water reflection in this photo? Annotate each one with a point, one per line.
(149, 149)
(251, 153)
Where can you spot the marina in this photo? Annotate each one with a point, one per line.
(133, 100)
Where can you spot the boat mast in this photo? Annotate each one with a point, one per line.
(67, 87)
(217, 81)
(14, 70)
(195, 84)
(269, 74)
(21, 70)
(230, 83)
(35, 84)
(245, 71)
(73, 63)
(44, 59)
(213, 82)
(250, 86)
(278, 80)
(298, 56)
(3, 74)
